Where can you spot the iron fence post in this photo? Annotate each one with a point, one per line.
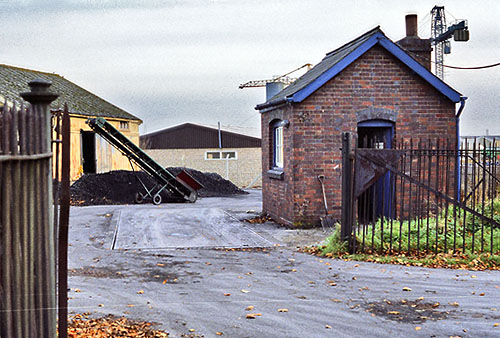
(347, 194)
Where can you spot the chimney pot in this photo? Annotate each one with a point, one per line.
(411, 25)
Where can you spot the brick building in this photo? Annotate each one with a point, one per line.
(370, 86)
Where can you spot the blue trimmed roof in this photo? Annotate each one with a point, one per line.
(336, 61)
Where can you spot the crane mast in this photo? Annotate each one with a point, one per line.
(438, 26)
(440, 35)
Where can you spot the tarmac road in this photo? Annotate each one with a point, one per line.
(195, 266)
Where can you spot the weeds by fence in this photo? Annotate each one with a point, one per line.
(429, 196)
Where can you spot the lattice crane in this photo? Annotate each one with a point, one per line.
(282, 78)
(440, 35)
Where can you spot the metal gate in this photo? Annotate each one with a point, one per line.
(421, 196)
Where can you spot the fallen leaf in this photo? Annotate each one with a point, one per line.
(328, 327)
(435, 305)
(335, 300)
(130, 305)
(356, 265)
(78, 290)
(473, 276)
(253, 315)
(111, 327)
(219, 333)
(393, 312)
(227, 294)
(406, 289)
(160, 264)
(101, 305)
(294, 270)
(249, 308)
(418, 328)
(140, 292)
(453, 304)
(282, 310)
(244, 291)
(191, 330)
(496, 325)
(482, 294)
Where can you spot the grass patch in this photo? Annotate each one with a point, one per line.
(415, 242)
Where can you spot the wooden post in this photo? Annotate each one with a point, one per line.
(43, 230)
(347, 193)
(62, 291)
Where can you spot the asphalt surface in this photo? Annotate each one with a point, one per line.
(197, 267)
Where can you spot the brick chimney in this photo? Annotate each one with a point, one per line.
(419, 49)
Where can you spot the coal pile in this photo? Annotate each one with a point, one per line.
(121, 186)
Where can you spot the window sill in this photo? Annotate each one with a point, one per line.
(276, 174)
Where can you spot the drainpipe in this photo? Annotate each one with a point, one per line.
(457, 165)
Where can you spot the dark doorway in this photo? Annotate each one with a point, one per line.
(376, 201)
(88, 152)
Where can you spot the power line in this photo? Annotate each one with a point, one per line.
(456, 67)
(478, 67)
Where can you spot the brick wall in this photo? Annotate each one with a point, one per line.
(376, 85)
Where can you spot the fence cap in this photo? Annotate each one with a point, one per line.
(39, 92)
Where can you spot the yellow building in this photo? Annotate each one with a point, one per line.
(89, 152)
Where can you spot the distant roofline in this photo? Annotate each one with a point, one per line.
(184, 124)
(31, 70)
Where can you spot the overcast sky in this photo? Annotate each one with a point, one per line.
(169, 62)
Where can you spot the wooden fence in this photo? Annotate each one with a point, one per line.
(27, 232)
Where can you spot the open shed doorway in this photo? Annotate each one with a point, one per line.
(88, 152)
(374, 203)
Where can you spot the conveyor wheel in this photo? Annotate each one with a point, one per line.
(157, 199)
(139, 198)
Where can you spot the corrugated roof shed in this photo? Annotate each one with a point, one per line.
(14, 80)
(190, 136)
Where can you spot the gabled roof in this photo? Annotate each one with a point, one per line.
(14, 80)
(336, 61)
(245, 131)
(191, 135)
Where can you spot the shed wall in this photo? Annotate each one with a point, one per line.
(242, 171)
(108, 158)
